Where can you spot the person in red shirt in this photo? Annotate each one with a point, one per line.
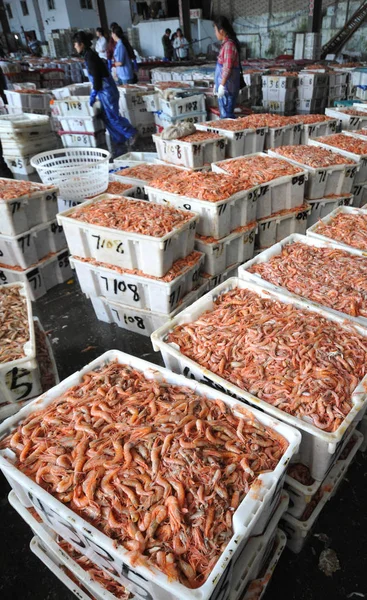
(227, 72)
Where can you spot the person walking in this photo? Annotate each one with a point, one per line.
(101, 44)
(104, 88)
(167, 45)
(124, 58)
(227, 71)
(181, 45)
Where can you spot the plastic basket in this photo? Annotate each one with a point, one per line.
(78, 172)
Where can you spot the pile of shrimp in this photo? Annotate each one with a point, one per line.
(104, 580)
(300, 473)
(345, 142)
(148, 172)
(351, 229)
(295, 360)
(164, 85)
(132, 215)
(179, 267)
(212, 240)
(257, 170)
(43, 359)
(361, 132)
(310, 119)
(200, 136)
(313, 156)
(334, 278)
(354, 112)
(209, 186)
(156, 467)
(14, 328)
(116, 188)
(11, 189)
(230, 124)
(270, 120)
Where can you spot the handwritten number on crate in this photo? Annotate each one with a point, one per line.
(13, 379)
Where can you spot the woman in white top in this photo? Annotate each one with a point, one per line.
(101, 44)
(180, 44)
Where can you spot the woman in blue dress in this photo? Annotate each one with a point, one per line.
(124, 57)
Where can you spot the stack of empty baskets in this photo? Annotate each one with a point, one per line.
(80, 125)
(279, 92)
(313, 91)
(133, 108)
(181, 105)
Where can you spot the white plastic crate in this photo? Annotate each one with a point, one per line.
(145, 129)
(217, 219)
(19, 379)
(309, 79)
(278, 136)
(24, 126)
(103, 550)
(20, 164)
(279, 194)
(276, 249)
(312, 231)
(305, 107)
(301, 495)
(360, 159)
(131, 158)
(214, 280)
(182, 106)
(152, 255)
(151, 102)
(42, 276)
(317, 447)
(276, 87)
(136, 290)
(307, 92)
(325, 181)
(222, 253)
(137, 185)
(362, 427)
(12, 147)
(322, 207)
(72, 139)
(239, 143)
(298, 531)
(257, 587)
(74, 106)
(21, 214)
(31, 246)
(322, 128)
(82, 124)
(359, 192)
(37, 100)
(347, 121)
(140, 320)
(162, 121)
(190, 154)
(63, 205)
(285, 108)
(275, 228)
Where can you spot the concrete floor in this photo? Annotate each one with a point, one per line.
(77, 338)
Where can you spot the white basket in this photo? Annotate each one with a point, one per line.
(257, 587)
(75, 139)
(325, 181)
(139, 320)
(190, 154)
(275, 228)
(74, 106)
(31, 246)
(214, 280)
(82, 124)
(276, 249)
(279, 194)
(18, 378)
(300, 495)
(361, 159)
(317, 447)
(239, 143)
(136, 290)
(312, 231)
(152, 255)
(347, 121)
(115, 559)
(78, 172)
(317, 130)
(322, 207)
(298, 531)
(359, 192)
(21, 214)
(41, 277)
(234, 248)
(217, 219)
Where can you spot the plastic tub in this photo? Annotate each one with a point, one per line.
(63, 205)
(324, 181)
(310, 130)
(257, 587)
(74, 106)
(28, 248)
(318, 448)
(359, 192)
(276, 249)
(136, 290)
(103, 550)
(36, 100)
(162, 121)
(275, 228)
(152, 255)
(189, 154)
(279, 136)
(361, 159)
(214, 280)
(41, 277)
(182, 106)
(131, 158)
(21, 214)
(312, 231)
(222, 253)
(322, 207)
(347, 121)
(82, 124)
(75, 139)
(217, 219)
(241, 142)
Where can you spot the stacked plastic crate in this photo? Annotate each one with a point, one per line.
(181, 105)
(279, 92)
(132, 107)
(22, 136)
(80, 125)
(338, 86)
(33, 247)
(313, 91)
(251, 551)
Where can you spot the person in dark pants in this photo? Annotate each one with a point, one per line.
(4, 169)
(167, 45)
(104, 88)
(227, 72)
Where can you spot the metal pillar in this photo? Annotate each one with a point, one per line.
(101, 7)
(184, 12)
(315, 16)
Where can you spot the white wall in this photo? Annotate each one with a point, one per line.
(151, 32)
(29, 22)
(54, 19)
(119, 11)
(83, 18)
(201, 30)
